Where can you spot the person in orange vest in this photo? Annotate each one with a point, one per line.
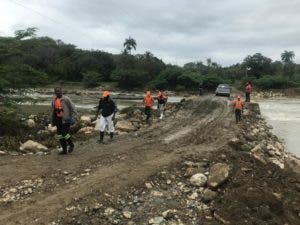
(161, 103)
(108, 110)
(63, 114)
(238, 105)
(148, 102)
(248, 90)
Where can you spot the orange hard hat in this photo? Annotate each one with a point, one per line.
(105, 93)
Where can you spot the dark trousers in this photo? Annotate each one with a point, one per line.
(238, 115)
(200, 91)
(148, 112)
(63, 132)
(247, 97)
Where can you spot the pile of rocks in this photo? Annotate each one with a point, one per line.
(257, 139)
(20, 191)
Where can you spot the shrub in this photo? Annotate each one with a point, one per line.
(129, 79)
(271, 82)
(91, 79)
(21, 75)
(212, 81)
(190, 80)
(159, 84)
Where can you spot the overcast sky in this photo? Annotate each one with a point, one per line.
(177, 31)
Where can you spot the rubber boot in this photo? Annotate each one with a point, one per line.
(71, 145)
(63, 144)
(101, 138)
(111, 134)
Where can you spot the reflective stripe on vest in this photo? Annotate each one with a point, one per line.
(58, 107)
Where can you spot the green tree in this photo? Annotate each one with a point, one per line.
(28, 33)
(258, 65)
(190, 80)
(129, 44)
(129, 79)
(289, 65)
(208, 62)
(287, 56)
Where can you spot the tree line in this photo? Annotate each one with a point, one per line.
(28, 61)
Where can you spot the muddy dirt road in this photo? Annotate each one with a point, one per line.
(39, 189)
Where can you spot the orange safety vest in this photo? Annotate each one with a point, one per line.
(58, 107)
(238, 104)
(148, 100)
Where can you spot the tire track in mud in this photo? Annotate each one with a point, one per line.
(202, 125)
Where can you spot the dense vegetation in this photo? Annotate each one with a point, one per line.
(27, 61)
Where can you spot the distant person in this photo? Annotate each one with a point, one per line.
(238, 105)
(148, 102)
(200, 90)
(161, 103)
(248, 88)
(108, 110)
(63, 112)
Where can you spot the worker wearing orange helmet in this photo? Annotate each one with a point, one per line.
(238, 105)
(161, 103)
(148, 102)
(108, 109)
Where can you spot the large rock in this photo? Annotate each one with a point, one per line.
(51, 128)
(198, 179)
(124, 125)
(293, 163)
(86, 130)
(85, 119)
(30, 123)
(33, 146)
(219, 173)
(2, 153)
(277, 162)
(209, 195)
(157, 220)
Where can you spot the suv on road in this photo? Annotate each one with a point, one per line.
(223, 90)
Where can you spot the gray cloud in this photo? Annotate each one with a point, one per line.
(176, 31)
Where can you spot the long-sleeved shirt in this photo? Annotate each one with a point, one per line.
(68, 108)
(107, 107)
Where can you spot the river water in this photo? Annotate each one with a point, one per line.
(284, 116)
(86, 101)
